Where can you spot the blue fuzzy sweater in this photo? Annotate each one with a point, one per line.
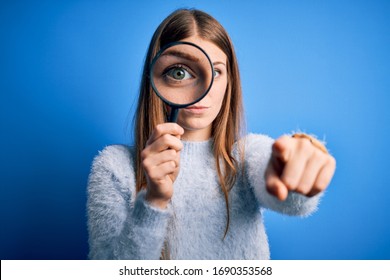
(122, 225)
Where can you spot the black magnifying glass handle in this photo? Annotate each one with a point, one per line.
(174, 114)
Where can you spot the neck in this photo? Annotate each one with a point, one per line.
(196, 135)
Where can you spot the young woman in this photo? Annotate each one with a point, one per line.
(195, 189)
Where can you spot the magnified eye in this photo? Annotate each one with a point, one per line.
(178, 73)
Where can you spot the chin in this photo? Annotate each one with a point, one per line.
(194, 124)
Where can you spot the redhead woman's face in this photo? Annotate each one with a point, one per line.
(198, 118)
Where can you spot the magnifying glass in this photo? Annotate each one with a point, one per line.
(181, 74)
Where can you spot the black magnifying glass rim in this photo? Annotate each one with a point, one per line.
(171, 104)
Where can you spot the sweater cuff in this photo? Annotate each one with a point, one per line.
(301, 205)
(144, 214)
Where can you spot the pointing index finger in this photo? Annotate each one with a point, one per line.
(281, 148)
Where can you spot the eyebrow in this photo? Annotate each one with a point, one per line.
(219, 62)
(188, 56)
(182, 55)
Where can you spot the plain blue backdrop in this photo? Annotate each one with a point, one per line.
(69, 74)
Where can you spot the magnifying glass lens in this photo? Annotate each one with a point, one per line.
(181, 75)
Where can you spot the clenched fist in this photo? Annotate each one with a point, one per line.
(160, 161)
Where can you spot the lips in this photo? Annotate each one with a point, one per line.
(196, 109)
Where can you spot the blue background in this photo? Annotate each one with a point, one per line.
(69, 74)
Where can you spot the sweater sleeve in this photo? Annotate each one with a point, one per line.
(121, 224)
(258, 149)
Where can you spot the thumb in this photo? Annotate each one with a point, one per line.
(274, 185)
